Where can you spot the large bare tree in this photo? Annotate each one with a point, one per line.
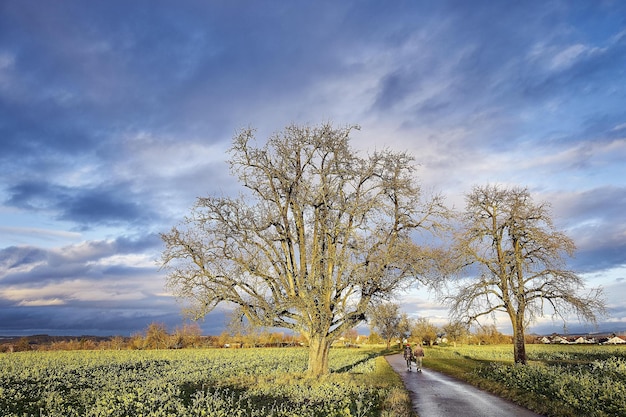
(516, 260)
(318, 234)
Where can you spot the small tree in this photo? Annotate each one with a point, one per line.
(350, 336)
(424, 331)
(518, 264)
(375, 339)
(490, 335)
(223, 339)
(242, 330)
(318, 236)
(117, 343)
(404, 326)
(157, 336)
(456, 332)
(22, 345)
(385, 320)
(187, 335)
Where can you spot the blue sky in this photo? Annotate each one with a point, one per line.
(116, 115)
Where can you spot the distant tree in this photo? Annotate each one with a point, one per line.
(375, 339)
(87, 344)
(117, 343)
(385, 320)
(319, 234)
(350, 336)
(187, 335)
(424, 331)
(224, 339)
(243, 330)
(404, 326)
(490, 335)
(518, 264)
(136, 342)
(22, 345)
(456, 332)
(276, 338)
(157, 336)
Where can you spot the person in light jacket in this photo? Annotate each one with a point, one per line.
(418, 353)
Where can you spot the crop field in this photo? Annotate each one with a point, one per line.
(218, 382)
(560, 380)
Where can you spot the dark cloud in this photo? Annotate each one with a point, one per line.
(107, 204)
(101, 207)
(82, 321)
(15, 257)
(98, 321)
(596, 220)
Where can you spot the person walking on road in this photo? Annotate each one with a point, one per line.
(418, 354)
(408, 356)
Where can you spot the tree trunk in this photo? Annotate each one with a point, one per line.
(318, 355)
(519, 343)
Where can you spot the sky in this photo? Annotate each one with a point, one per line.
(116, 115)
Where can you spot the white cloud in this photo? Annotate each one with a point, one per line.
(136, 260)
(79, 290)
(41, 302)
(567, 56)
(38, 232)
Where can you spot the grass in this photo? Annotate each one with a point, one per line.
(559, 381)
(223, 382)
(398, 402)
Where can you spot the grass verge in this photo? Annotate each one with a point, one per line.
(398, 402)
(465, 368)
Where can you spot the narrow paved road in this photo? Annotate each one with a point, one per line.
(437, 395)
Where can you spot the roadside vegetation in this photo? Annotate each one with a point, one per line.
(559, 380)
(198, 382)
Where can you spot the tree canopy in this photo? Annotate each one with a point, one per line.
(317, 235)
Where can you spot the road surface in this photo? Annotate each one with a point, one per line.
(437, 395)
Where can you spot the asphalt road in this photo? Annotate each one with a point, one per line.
(437, 395)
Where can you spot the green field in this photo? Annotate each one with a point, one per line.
(560, 380)
(208, 382)
(569, 380)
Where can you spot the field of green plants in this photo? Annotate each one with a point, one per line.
(560, 380)
(208, 382)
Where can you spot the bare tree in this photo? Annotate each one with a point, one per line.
(404, 326)
(157, 336)
(187, 335)
(456, 331)
(517, 264)
(385, 320)
(319, 234)
(243, 330)
(489, 335)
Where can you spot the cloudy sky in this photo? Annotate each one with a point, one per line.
(116, 115)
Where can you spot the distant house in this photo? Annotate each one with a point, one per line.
(582, 339)
(615, 341)
(559, 339)
(545, 340)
